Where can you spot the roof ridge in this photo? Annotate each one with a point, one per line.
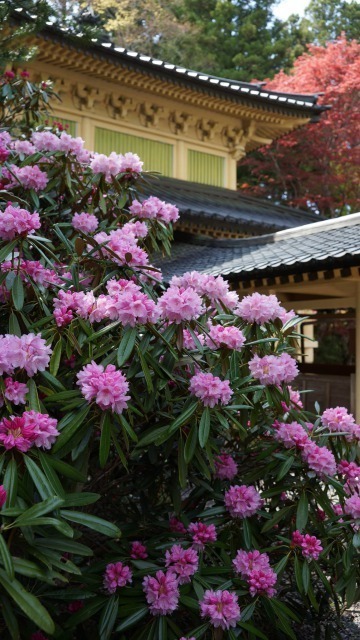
(349, 220)
(227, 85)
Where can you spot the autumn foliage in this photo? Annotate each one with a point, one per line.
(317, 166)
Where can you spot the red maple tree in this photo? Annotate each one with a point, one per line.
(317, 167)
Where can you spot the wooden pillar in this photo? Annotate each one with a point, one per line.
(357, 354)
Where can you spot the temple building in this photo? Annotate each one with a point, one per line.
(193, 128)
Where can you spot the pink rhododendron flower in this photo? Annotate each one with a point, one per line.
(38, 635)
(338, 420)
(45, 141)
(3, 494)
(116, 575)
(351, 471)
(274, 369)
(229, 337)
(246, 561)
(31, 353)
(242, 501)
(262, 581)
(215, 288)
(176, 526)
(295, 400)
(130, 163)
(310, 547)
(183, 638)
(85, 222)
(210, 389)
(153, 208)
(178, 304)
(32, 271)
(162, 593)
(184, 562)
(221, 607)
(15, 391)
(107, 386)
(352, 506)
(138, 551)
(44, 428)
(8, 344)
(291, 435)
(28, 177)
(124, 245)
(319, 459)
(258, 308)
(23, 146)
(15, 221)
(15, 433)
(225, 467)
(202, 534)
(297, 538)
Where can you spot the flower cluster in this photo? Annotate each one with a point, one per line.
(183, 562)
(352, 506)
(214, 288)
(254, 567)
(46, 141)
(110, 166)
(29, 429)
(28, 177)
(124, 302)
(28, 352)
(274, 369)
(221, 607)
(153, 208)
(210, 389)
(310, 545)
(291, 435)
(17, 222)
(162, 593)
(340, 420)
(85, 222)
(259, 308)
(229, 337)
(33, 271)
(108, 386)
(319, 459)
(138, 551)
(14, 391)
(242, 501)
(202, 534)
(179, 304)
(116, 575)
(225, 467)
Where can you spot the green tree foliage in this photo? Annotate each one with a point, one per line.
(13, 33)
(326, 19)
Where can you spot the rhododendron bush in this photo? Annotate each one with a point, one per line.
(159, 477)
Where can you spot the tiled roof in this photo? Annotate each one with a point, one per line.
(216, 206)
(226, 87)
(320, 246)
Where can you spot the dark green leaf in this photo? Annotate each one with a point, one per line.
(55, 358)
(108, 618)
(39, 509)
(302, 512)
(17, 292)
(6, 558)
(105, 440)
(93, 522)
(191, 442)
(28, 603)
(133, 619)
(204, 427)
(126, 345)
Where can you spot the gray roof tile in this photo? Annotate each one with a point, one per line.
(322, 245)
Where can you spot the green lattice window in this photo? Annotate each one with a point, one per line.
(156, 156)
(205, 168)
